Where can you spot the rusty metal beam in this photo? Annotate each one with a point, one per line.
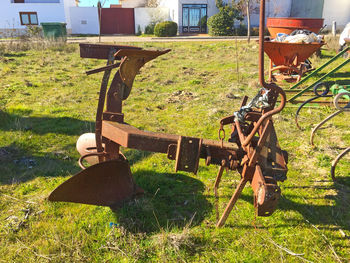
(131, 137)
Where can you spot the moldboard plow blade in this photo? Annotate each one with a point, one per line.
(107, 183)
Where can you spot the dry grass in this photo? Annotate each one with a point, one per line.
(332, 42)
(46, 102)
(26, 44)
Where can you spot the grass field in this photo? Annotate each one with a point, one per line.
(46, 102)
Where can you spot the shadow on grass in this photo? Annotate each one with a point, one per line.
(44, 125)
(325, 216)
(135, 156)
(170, 201)
(17, 54)
(323, 55)
(336, 214)
(20, 165)
(342, 78)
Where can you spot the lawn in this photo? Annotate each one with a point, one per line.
(47, 101)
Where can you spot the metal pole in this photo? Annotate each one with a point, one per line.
(334, 28)
(99, 5)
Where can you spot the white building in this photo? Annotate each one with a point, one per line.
(84, 20)
(15, 15)
(191, 15)
(338, 11)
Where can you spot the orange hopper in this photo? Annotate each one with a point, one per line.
(289, 58)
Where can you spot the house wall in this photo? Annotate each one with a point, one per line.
(278, 8)
(336, 10)
(67, 5)
(10, 23)
(274, 8)
(211, 8)
(330, 10)
(307, 8)
(173, 8)
(40, 1)
(144, 16)
(84, 20)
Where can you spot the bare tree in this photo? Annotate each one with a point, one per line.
(157, 15)
(247, 7)
(152, 3)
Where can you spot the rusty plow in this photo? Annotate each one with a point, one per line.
(252, 148)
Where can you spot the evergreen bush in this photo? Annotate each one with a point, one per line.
(165, 29)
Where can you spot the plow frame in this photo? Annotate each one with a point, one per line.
(252, 150)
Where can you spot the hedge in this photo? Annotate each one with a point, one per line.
(165, 29)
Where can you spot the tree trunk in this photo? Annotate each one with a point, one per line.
(248, 22)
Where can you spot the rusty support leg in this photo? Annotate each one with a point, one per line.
(101, 103)
(232, 202)
(218, 179)
(112, 150)
(270, 71)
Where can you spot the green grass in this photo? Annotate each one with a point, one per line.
(47, 101)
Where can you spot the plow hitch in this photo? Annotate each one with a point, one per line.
(252, 148)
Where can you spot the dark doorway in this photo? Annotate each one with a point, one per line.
(194, 18)
(117, 21)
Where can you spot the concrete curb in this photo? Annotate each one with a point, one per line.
(204, 38)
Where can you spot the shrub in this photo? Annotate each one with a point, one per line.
(255, 31)
(2, 49)
(139, 31)
(149, 29)
(241, 30)
(34, 31)
(165, 29)
(221, 24)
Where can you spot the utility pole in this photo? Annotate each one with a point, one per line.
(99, 7)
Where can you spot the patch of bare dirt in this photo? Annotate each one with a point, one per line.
(181, 96)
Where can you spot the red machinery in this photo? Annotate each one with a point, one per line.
(252, 150)
(289, 59)
(287, 25)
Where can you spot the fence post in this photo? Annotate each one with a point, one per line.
(334, 28)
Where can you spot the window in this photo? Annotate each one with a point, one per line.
(34, 1)
(28, 18)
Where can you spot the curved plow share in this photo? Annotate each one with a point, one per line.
(252, 148)
(322, 90)
(336, 160)
(342, 95)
